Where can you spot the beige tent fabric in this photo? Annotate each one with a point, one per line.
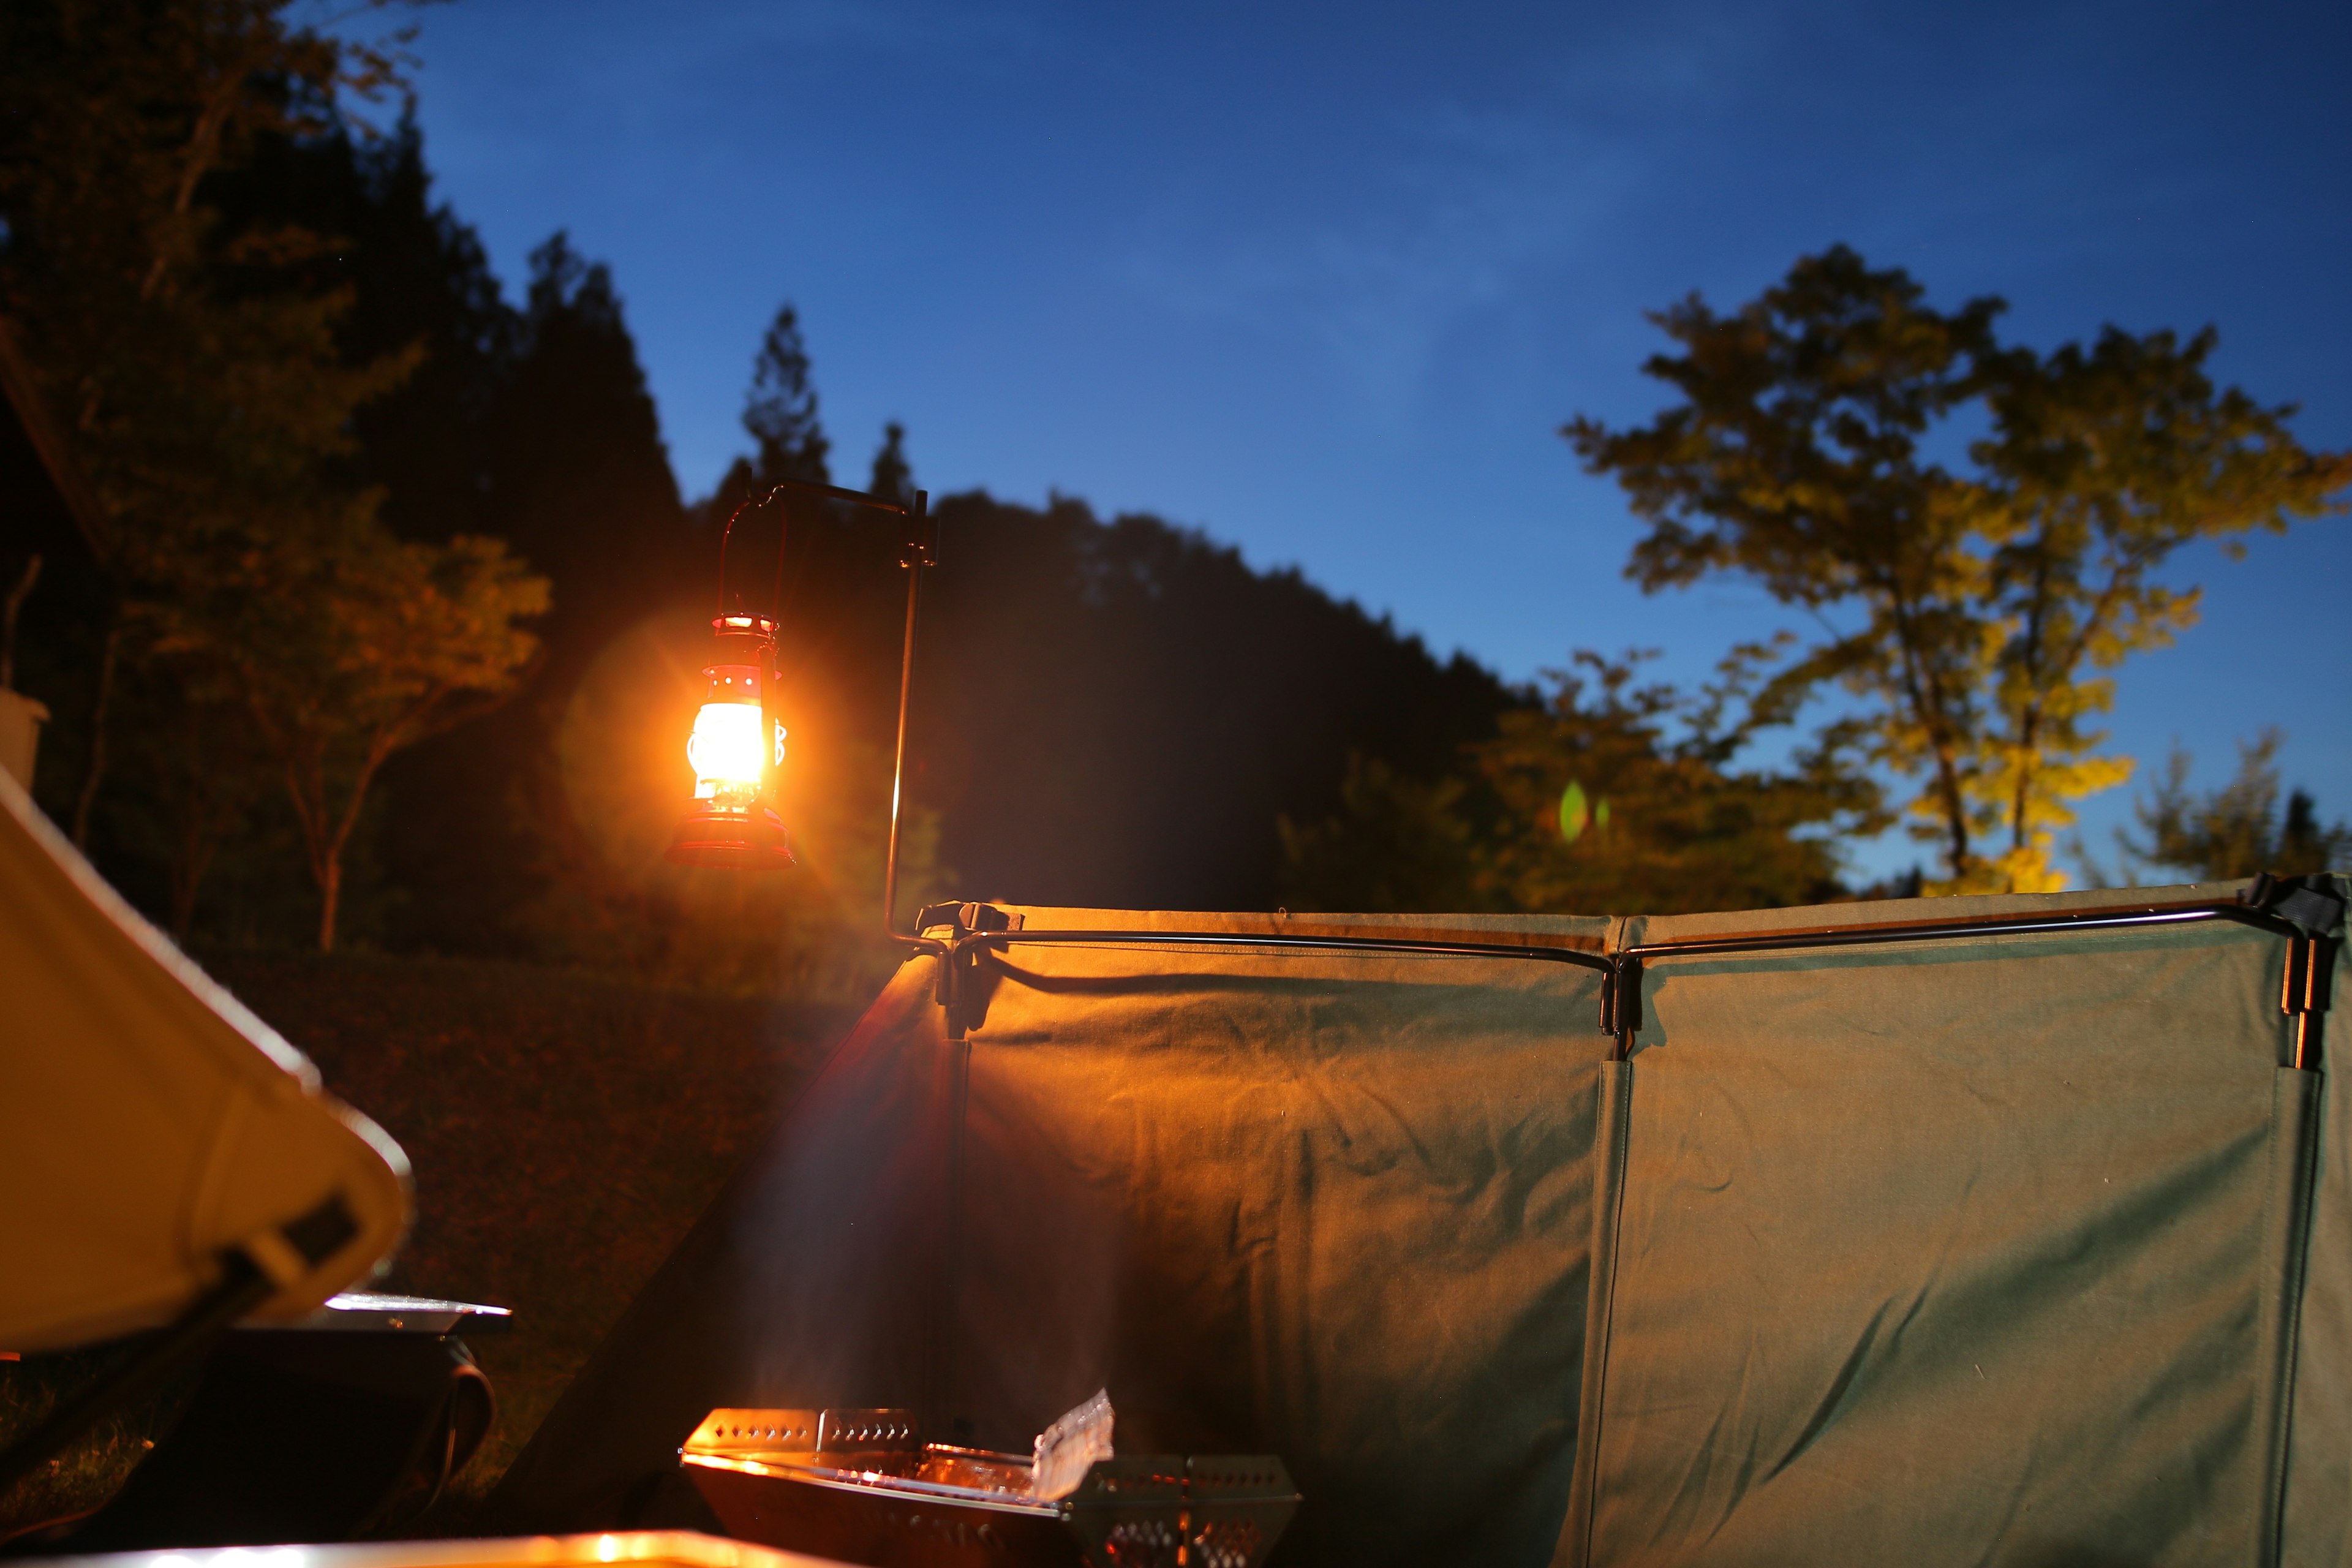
(1982, 1251)
(148, 1121)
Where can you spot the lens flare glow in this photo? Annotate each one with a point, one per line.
(727, 749)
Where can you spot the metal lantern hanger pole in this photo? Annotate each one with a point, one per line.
(919, 549)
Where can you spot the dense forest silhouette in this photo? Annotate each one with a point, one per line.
(1115, 712)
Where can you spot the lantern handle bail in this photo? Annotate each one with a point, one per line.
(832, 492)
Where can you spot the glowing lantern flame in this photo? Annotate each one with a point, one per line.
(734, 821)
(1578, 814)
(726, 746)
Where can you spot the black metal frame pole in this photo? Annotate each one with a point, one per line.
(1625, 1014)
(1620, 1004)
(1575, 955)
(918, 554)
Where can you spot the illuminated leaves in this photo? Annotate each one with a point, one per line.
(199, 366)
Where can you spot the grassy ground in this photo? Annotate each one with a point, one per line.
(99, 1462)
(565, 1130)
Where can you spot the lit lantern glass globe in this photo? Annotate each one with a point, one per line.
(728, 747)
(736, 750)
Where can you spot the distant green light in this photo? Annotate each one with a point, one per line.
(1577, 813)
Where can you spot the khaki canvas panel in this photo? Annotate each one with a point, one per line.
(1972, 1252)
(147, 1120)
(1330, 1206)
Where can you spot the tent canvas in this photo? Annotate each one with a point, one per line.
(1987, 1248)
(149, 1123)
(2017, 1248)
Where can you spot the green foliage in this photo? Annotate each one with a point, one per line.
(1982, 608)
(2239, 829)
(1612, 796)
(203, 388)
(419, 282)
(1674, 825)
(1395, 844)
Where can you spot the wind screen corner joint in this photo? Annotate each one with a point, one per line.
(1621, 1002)
(2306, 992)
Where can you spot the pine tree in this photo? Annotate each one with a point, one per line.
(892, 476)
(581, 487)
(582, 484)
(419, 281)
(779, 411)
(2239, 829)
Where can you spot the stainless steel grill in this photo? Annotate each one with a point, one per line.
(862, 1486)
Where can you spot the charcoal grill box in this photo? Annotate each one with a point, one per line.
(862, 1485)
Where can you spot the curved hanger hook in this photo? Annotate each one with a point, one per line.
(783, 522)
(806, 487)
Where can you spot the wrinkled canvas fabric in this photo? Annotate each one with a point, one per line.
(1962, 1254)
(1996, 1251)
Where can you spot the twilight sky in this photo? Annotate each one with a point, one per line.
(1323, 278)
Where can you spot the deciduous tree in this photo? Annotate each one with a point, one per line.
(1666, 821)
(1974, 611)
(348, 649)
(195, 361)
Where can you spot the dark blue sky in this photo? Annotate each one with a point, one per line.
(1324, 278)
